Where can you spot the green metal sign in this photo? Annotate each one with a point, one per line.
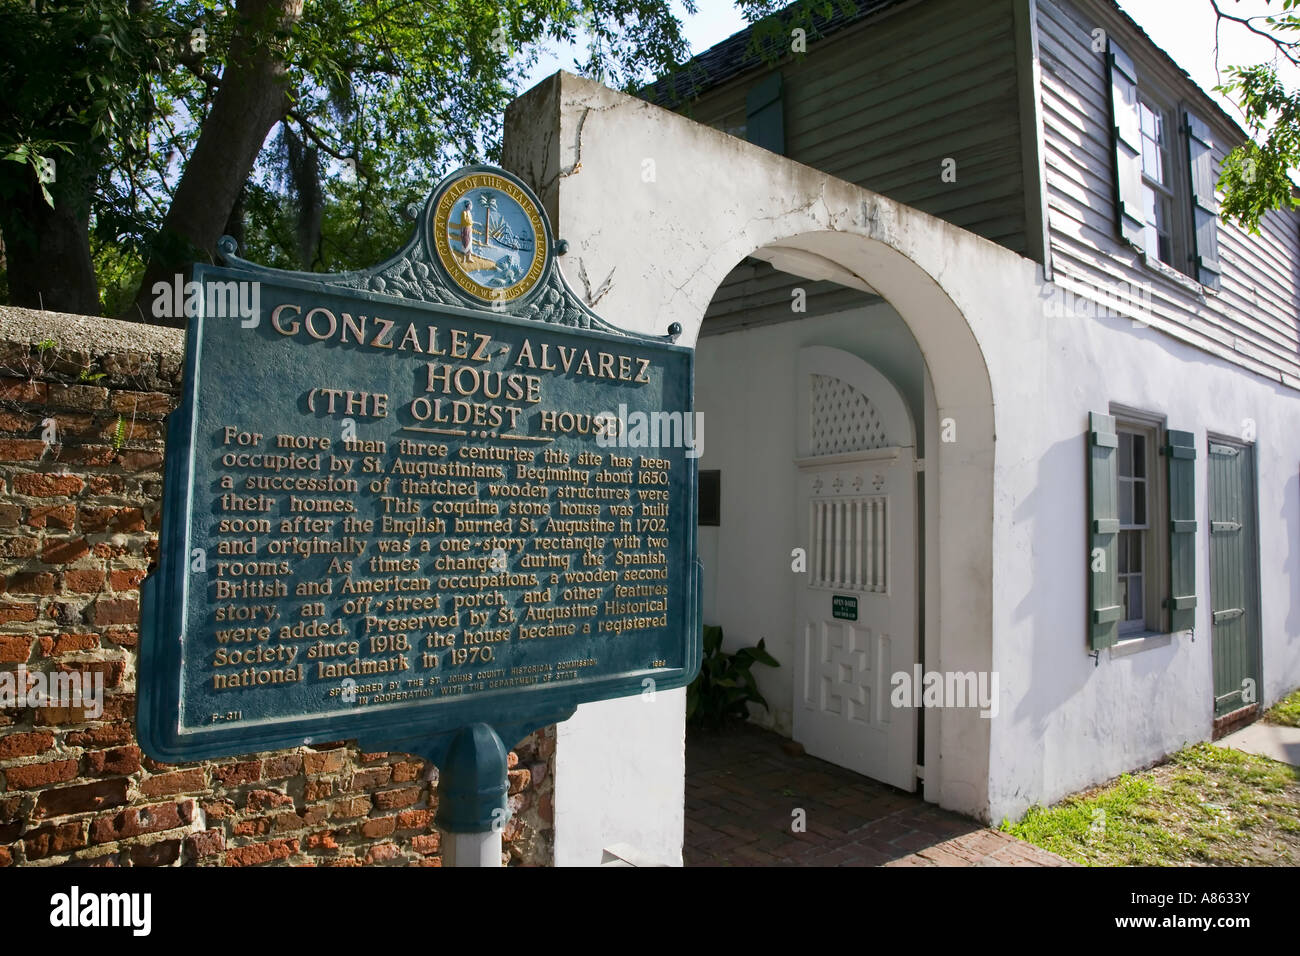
(400, 502)
(844, 607)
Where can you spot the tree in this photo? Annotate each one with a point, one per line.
(154, 115)
(1256, 176)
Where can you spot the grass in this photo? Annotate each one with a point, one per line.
(1205, 806)
(1286, 711)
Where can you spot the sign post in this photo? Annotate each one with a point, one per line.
(431, 506)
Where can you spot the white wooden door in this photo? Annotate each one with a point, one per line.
(856, 605)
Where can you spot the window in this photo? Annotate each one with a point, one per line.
(1165, 176)
(1139, 559)
(1157, 188)
(1142, 527)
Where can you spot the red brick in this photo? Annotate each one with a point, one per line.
(261, 853)
(68, 644)
(6, 856)
(519, 780)
(23, 390)
(396, 799)
(267, 800)
(15, 650)
(19, 547)
(330, 762)
(206, 843)
(17, 422)
(218, 809)
(322, 840)
(31, 582)
(75, 423)
(318, 790)
(95, 520)
(121, 760)
(47, 485)
(10, 515)
(181, 781)
(292, 820)
(123, 637)
(84, 580)
(275, 768)
(136, 821)
(253, 826)
(108, 735)
(426, 843)
(235, 774)
(64, 550)
(35, 775)
(382, 853)
(79, 799)
(20, 613)
(407, 770)
(86, 454)
(112, 671)
(21, 449)
(142, 403)
(162, 853)
(105, 484)
(546, 807)
(115, 611)
(128, 520)
(83, 397)
(414, 819)
(366, 779)
(25, 745)
(51, 840)
(378, 827)
(347, 809)
(140, 460)
(126, 579)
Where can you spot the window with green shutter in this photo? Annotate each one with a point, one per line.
(1141, 527)
(765, 114)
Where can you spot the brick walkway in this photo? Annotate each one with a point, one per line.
(742, 787)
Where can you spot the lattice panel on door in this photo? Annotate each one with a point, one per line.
(850, 539)
(843, 419)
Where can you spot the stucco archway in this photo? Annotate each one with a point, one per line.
(657, 209)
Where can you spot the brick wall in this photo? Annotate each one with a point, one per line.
(78, 528)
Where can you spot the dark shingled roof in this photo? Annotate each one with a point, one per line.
(736, 54)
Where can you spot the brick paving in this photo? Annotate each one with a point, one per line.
(743, 786)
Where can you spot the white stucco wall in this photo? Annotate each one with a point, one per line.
(1010, 568)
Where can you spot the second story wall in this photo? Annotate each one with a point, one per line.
(1252, 318)
(884, 102)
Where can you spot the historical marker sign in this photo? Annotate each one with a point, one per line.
(409, 499)
(844, 607)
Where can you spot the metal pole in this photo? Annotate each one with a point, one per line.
(472, 807)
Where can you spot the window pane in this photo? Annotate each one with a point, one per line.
(1139, 502)
(1125, 502)
(1148, 120)
(1123, 597)
(1135, 562)
(1135, 607)
(1125, 454)
(1139, 456)
(1123, 551)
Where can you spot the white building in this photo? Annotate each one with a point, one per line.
(1037, 422)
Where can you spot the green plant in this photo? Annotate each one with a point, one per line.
(119, 433)
(725, 687)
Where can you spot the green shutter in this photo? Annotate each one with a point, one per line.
(1205, 207)
(765, 115)
(1126, 145)
(1180, 454)
(1104, 610)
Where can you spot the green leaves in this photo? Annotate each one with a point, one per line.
(725, 685)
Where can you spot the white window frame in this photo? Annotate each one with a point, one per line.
(1155, 539)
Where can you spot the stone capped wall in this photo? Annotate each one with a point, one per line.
(79, 519)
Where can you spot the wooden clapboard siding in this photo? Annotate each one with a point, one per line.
(884, 102)
(755, 294)
(1255, 318)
